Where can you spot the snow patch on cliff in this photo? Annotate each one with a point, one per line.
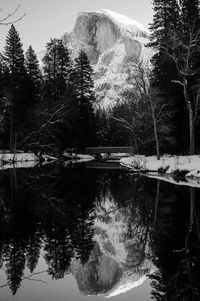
(125, 287)
(129, 24)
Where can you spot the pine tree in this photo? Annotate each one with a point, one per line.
(58, 251)
(1, 76)
(84, 96)
(14, 54)
(176, 64)
(166, 23)
(57, 66)
(166, 19)
(2, 101)
(33, 250)
(189, 30)
(53, 109)
(84, 85)
(190, 17)
(15, 266)
(15, 88)
(32, 69)
(34, 85)
(184, 51)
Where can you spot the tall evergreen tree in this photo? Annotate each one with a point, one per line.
(190, 18)
(1, 76)
(84, 96)
(33, 250)
(2, 102)
(58, 251)
(176, 64)
(53, 109)
(15, 265)
(34, 85)
(166, 19)
(166, 23)
(84, 85)
(33, 70)
(14, 54)
(57, 67)
(15, 89)
(184, 51)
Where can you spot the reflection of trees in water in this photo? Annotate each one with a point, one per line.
(54, 209)
(15, 264)
(42, 209)
(176, 245)
(58, 250)
(122, 208)
(33, 248)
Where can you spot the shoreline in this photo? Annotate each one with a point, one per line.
(173, 169)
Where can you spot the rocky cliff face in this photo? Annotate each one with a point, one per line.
(112, 42)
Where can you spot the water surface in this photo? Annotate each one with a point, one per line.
(83, 234)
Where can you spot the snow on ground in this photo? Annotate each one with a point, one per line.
(190, 182)
(48, 158)
(17, 160)
(20, 164)
(6, 157)
(78, 156)
(190, 165)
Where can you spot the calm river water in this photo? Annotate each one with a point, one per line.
(81, 233)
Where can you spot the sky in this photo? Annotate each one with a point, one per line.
(46, 19)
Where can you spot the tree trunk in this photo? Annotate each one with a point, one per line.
(11, 131)
(190, 117)
(136, 145)
(15, 145)
(156, 204)
(155, 129)
(191, 125)
(156, 139)
(191, 219)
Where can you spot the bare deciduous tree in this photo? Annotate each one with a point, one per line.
(7, 19)
(143, 91)
(182, 54)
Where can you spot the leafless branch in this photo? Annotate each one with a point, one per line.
(5, 20)
(29, 278)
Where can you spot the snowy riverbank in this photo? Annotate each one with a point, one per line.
(187, 167)
(7, 157)
(18, 160)
(21, 159)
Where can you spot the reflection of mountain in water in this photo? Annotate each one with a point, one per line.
(85, 222)
(104, 227)
(98, 275)
(119, 261)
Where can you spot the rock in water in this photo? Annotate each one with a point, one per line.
(112, 42)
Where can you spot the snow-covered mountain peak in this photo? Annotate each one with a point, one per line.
(121, 21)
(136, 28)
(113, 43)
